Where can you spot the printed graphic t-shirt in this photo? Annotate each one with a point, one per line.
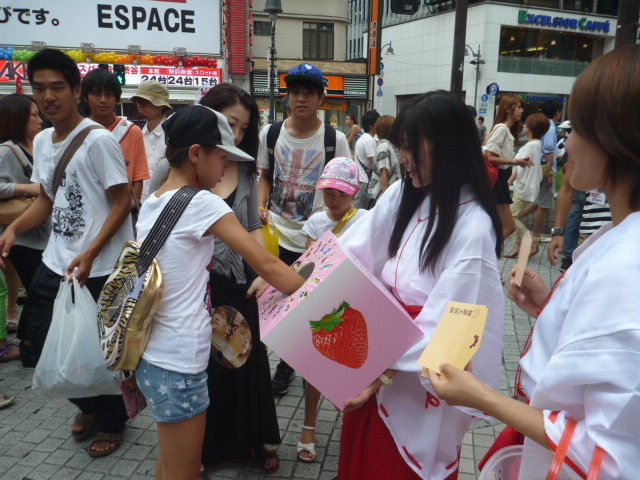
(298, 164)
(180, 338)
(81, 204)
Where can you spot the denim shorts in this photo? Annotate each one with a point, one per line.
(172, 396)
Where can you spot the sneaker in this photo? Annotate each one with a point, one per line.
(282, 379)
(565, 263)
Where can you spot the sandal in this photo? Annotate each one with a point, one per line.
(262, 455)
(12, 323)
(88, 424)
(514, 252)
(307, 447)
(10, 351)
(6, 399)
(534, 246)
(115, 438)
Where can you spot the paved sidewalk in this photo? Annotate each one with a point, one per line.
(35, 443)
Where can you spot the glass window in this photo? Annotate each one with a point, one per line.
(578, 5)
(262, 28)
(546, 52)
(317, 41)
(607, 7)
(555, 4)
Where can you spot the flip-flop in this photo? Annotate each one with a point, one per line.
(6, 350)
(115, 438)
(262, 455)
(6, 399)
(88, 425)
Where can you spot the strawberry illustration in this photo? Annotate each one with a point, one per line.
(341, 336)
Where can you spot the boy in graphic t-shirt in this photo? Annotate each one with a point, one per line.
(89, 213)
(299, 158)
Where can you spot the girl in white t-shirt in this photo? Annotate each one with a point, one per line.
(339, 185)
(526, 180)
(172, 372)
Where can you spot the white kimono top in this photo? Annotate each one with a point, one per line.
(427, 431)
(584, 360)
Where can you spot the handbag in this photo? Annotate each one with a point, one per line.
(134, 399)
(134, 289)
(71, 364)
(12, 208)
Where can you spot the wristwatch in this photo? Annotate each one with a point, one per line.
(557, 231)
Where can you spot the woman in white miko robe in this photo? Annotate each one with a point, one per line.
(432, 238)
(584, 357)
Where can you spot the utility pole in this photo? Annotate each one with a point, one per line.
(459, 39)
(628, 13)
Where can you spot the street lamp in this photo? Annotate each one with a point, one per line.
(477, 62)
(273, 8)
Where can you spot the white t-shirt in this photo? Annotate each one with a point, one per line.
(320, 223)
(155, 147)
(527, 183)
(180, 338)
(81, 205)
(298, 164)
(365, 149)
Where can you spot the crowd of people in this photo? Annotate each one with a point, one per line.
(424, 202)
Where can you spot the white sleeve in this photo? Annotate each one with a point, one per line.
(369, 238)
(370, 148)
(342, 146)
(106, 159)
(497, 139)
(206, 209)
(41, 174)
(263, 157)
(310, 226)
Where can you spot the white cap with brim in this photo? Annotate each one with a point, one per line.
(203, 126)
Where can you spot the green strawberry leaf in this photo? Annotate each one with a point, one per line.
(330, 321)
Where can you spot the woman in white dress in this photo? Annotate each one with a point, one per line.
(433, 237)
(582, 364)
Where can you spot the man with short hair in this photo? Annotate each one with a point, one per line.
(482, 130)
(288, 195)
(152, 101)
(101, 91)
(365, 152)
(89, 206)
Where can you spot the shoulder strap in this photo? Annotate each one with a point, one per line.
(121, 129)
(162, 227)
(343, 221)
(26, 166)
(68, 154)
(329, 143)
(272, 138)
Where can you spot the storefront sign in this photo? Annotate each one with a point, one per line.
(338, 86)
(134, 74)
(563, 22)
(115, 24)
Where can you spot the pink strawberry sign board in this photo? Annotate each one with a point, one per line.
(342, 328)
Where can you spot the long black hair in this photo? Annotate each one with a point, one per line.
(443, 120)
(226, 95)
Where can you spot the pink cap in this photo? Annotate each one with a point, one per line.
(340, 173)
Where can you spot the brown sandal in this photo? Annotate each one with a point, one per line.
(88, 424)
(115, 438)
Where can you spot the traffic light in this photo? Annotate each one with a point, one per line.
(119, 72)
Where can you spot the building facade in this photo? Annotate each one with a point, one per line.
(534, 50)
(314, 32)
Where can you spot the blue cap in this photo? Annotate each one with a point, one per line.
(306, 71)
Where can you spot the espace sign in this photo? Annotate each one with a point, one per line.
(155, 25)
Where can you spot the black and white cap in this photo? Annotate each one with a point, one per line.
(203, 126)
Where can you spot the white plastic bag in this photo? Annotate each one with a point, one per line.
(71, 364)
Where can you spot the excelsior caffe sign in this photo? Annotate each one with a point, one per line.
(155, 25)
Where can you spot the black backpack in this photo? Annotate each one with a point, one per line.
(274, 133)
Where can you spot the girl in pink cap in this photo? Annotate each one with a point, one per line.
(339, 185)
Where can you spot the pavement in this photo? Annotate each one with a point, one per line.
(35, 443)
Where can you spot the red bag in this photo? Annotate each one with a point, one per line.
(492, 169)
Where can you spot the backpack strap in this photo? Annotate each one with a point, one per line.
(162, 227)
(329, 143)
(68, 154)
(272, 139)
(121, 129)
